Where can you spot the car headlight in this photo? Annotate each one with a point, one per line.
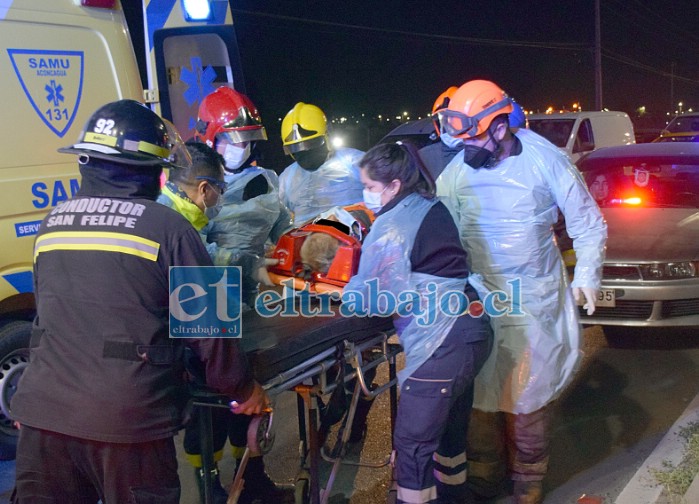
(669, 271)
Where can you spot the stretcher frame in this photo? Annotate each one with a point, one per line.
(311, 380)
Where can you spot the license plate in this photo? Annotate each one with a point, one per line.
(605, 297)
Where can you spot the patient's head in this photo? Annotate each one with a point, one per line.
(318, 251)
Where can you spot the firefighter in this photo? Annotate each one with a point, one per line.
(320, 177)
(437, 156)
(101, 400)
(251, 216)
(413, 248)
(504, 193)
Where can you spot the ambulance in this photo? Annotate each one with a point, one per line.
(60, 60)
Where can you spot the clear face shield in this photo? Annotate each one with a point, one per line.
(178, 156)
(242, 135)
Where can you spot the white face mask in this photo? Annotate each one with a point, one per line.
(450, 141)
(235, 156)
(372, 200)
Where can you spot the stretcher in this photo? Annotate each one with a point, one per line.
(311, 357)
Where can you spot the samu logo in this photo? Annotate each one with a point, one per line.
(53, 83)
(205, 302)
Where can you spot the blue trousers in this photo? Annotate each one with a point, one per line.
(433, 415)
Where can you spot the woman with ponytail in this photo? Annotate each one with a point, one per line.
(414, 254)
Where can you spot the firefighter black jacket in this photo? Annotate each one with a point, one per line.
(102, 365)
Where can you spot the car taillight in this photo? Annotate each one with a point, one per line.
(634, 200)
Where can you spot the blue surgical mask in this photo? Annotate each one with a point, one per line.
(212, 211)
(372, 200)
(450, 141)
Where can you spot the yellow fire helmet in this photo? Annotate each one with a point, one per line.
(304, 127)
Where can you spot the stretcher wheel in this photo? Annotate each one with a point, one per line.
(260, 434)
(302, 489)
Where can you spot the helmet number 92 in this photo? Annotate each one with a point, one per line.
(104, 126)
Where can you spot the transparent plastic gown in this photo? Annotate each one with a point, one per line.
(505, 216)
(386, 257)
(309, 193)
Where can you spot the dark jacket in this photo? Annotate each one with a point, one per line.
(437, 156)
(102, 364)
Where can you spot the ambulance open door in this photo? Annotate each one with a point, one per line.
(191, 62)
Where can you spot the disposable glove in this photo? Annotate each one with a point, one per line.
(261, 275)
(590, 298)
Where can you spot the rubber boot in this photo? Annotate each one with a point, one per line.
(359, 423)
(219, 493)
(528, 492)
(259, 487)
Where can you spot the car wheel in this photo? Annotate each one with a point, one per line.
(14, 357)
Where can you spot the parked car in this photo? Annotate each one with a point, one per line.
(420, 132)
(649, 195)
(683, 128)
(578, 133)
(679, 137)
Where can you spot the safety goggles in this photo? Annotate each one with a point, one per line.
(219, 184)
(456, 123)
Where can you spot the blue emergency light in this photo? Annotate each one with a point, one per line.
(197, 10)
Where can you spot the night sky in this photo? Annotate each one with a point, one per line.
(387, 56)
(354, 57)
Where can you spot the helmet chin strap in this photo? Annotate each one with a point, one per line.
(498, 146)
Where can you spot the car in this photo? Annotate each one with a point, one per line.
(420, 132)
(577, 133)
(682, 128)
(649, 196)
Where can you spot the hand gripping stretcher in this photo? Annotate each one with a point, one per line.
(303, 355)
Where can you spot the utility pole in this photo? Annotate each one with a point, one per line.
(672, 86)
(598, 58)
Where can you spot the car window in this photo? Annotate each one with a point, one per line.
(683, 124)
(678, 138)
(556, 131)
(584, 140)
(629, 184)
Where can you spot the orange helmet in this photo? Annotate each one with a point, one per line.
(441, 103)
(228, 113)
(473, 107)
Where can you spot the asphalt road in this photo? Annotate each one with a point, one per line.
(625, 397)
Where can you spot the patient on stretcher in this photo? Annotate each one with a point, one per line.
(326, 250)
(318, 252)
